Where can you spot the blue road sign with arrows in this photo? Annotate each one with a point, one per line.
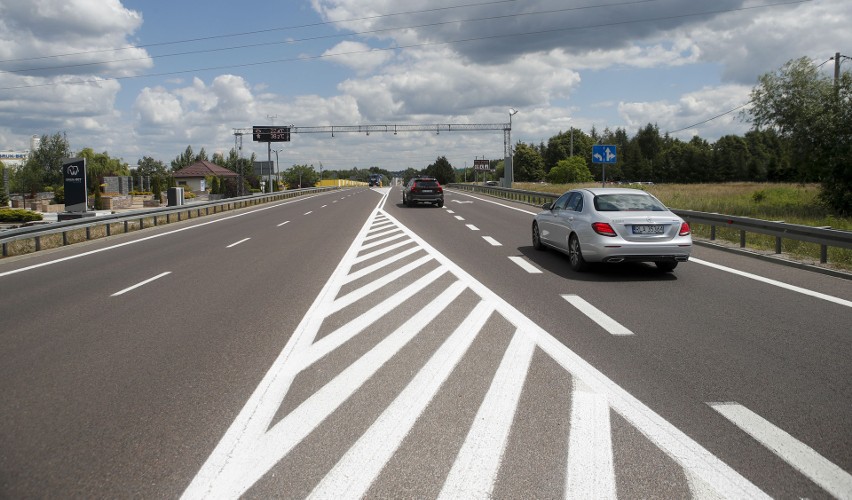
(602, 153)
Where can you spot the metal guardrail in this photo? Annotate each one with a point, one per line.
(824, 237)
(24, 240)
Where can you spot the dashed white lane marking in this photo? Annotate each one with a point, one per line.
(143, 283)
(596, 315)
(472, 227)
(526, 266)
(492, 241)
(781, 284)
(459, 217)
(237, 242)
(285, 222)
(802, 457)
(308, 213)
(450, 211)
(158, 235)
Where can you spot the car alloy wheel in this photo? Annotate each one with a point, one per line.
(575, 255)
(536, 237)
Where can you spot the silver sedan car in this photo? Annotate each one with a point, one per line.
(612, 225)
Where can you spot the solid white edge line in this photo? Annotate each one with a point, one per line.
(610, 325)
(523, 264)
(142, 283)
(802, 457)
(237, 242)
(780, 284)
(494, 202)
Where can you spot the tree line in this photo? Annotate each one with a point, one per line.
(802, 132)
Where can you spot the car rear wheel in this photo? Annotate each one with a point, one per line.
(440, 203)
(666, 266)
(575, 255)
(536, 237)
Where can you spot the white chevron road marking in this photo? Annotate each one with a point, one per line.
(253, 445)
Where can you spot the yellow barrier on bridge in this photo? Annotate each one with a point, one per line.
(339, 183)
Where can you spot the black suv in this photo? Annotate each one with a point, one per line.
(423, 190)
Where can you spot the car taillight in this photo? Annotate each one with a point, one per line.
(414, 187)
(603, 229)
(684, 230)
(440, 189)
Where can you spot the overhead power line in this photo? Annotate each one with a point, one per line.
(314, 38)
(424, 44)
(729, 111)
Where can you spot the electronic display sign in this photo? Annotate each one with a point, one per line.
(270, 134)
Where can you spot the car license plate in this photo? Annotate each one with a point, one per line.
(647, 229)
(426, 191)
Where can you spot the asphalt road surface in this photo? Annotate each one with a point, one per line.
(343, 345)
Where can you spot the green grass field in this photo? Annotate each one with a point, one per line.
(792, 203)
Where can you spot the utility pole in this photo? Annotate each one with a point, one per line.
(836, 69)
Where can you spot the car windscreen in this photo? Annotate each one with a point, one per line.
(619, 202)
(426, 183)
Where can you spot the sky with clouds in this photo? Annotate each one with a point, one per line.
(148, 77)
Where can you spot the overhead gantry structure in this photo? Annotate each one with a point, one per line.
(390, 129)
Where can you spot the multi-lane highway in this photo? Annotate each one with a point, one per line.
(343, 345)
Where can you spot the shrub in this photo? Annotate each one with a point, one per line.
(59, 195)
(18, 215)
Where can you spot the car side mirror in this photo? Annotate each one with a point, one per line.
(547, 206)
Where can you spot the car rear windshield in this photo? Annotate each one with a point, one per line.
(426, 182)
(627, 202)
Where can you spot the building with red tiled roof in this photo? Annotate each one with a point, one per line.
(194, 176)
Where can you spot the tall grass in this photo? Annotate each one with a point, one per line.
(792, 203)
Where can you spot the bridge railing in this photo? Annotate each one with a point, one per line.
(822, 236)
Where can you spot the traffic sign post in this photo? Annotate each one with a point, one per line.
(603, 154)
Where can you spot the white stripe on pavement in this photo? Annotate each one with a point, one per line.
(353, 474)
(472, 227)
(591, 473)
(475, 470)
(137, 285)
(802, 457)
(781, 284)
(492, 241)
(237, 242)
(526, 266)
(596, 315)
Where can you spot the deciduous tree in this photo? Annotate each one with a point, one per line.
(814, 112)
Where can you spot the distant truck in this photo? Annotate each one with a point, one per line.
(375, 180)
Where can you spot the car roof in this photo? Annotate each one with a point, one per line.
(598, 191)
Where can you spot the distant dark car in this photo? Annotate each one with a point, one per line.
(492, 183)
(375, 180)
(423, 190)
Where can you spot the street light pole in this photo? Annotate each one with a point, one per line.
(511, 177)
(277, 170)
